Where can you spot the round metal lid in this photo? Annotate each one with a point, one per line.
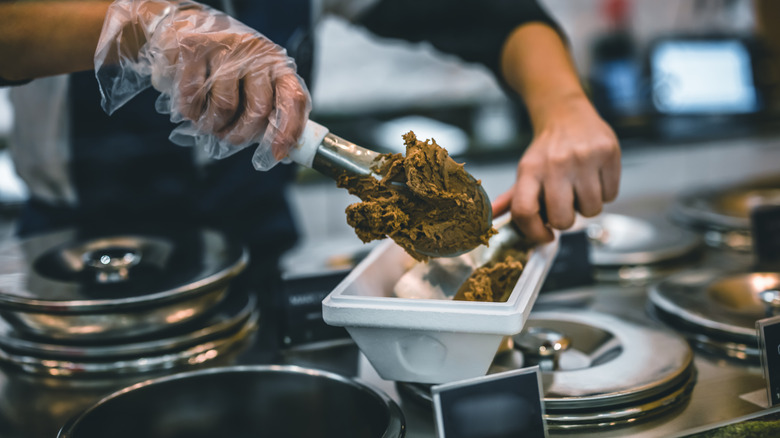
(222, 346)
(80, 271)
(227, 316)
(624, 240)
(597, 369)
(726, 208)
(608, 362)
(717, 303)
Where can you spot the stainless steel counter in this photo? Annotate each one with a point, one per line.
(717, 395)
(31, 407)
(725, 389)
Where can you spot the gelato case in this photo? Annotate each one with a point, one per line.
(141, 334)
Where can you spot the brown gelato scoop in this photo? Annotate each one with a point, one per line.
(442, 210)
(495, 280)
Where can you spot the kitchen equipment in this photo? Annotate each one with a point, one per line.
(333, 156)
(429, 340)
(243, 401)
(598, 370)
(716, 309)
(722, 214)
(220, 332)
(76, 285)
(636, 250)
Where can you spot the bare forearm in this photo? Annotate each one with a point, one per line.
(572, 165)
(536, 63)
(43, 38)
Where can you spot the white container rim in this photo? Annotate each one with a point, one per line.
(507, 318)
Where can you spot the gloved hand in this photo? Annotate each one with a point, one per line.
(229, 86)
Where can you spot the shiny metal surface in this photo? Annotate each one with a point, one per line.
(195, 353)
(226, 317)
(111, 263)
(539, 345)
(725, 304)
(33, 406)
(638, 251)
(336, 156)
(641, 275)
(590, 421)
(609, 370)
(723, 213)
(618, 240)
(244, 401)
(745, 351)
(721, 391)
(610, 361)
(50, 286)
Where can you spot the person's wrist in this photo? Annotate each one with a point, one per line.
(556, 107)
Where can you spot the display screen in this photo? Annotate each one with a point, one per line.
(703, 77)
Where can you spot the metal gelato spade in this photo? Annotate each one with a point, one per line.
(333, 156)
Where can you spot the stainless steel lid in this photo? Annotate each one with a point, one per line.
(607, 361)
(598, 370)
(725, 305)
(624, 240)
(218, 340)
(228, 316)
(75, 272)
(724, 212)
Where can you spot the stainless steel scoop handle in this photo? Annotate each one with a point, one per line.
(330, 154)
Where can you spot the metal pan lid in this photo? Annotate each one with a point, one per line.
(728, 207)
(607, 371)
(624, 240)
(78, 271)
(231, 313)
(725, 304)
(603, 360)
(222, 348)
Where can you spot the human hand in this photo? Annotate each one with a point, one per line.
(572, 165)
(229, 86)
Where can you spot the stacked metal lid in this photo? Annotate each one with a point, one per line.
(635, 250)
(722, 213)
(598, 370)
(716, 309)
(92, 303)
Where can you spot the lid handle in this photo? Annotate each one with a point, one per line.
(543, 346)
(111, 264)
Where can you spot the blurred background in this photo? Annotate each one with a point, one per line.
(683, 83)
(676, 79)
(692, 89)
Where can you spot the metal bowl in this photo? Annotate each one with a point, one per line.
(244, 401)
(78, 286)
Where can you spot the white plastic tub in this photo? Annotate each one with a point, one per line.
(428, 340)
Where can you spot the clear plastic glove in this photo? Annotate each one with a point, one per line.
(228, 86)
(572, 165)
